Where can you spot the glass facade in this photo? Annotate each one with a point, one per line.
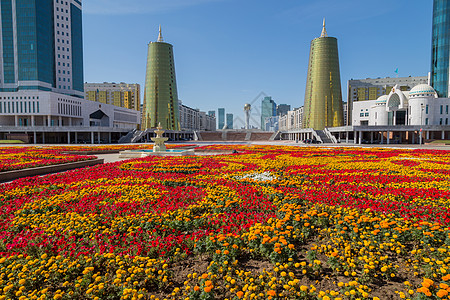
(160, 94)
(77, 48)
(230, 121)
(221, 113)
(440, 47)
(8, 42)
(28, 38)
(35, 54)
(268, 109)
(323, 96)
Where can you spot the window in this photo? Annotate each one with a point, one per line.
(440, 121)
(37, 106)
(34, 106)
(426, 109)
(426, 121)
(367, 114)
(446, 109)
(361, 114)
(446, 121)
(442, 109)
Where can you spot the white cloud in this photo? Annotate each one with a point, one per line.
(122, 7)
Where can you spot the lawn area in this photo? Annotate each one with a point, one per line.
(11, 142)
(268, 222)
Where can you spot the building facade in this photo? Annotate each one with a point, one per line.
(230, 122)
(282, 109)
(221, 113)
(292, 120)
(440, 48)
(419, 106)
(194, 119)
(272, 123)
(373, 88)
(42, 46)
(41, 77)
(268, 109)
(323, 96)
(160, 92)
(117, 94)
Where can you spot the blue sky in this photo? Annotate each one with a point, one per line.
(229, 51)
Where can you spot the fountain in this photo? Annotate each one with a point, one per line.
(159, 148)
(159, 140)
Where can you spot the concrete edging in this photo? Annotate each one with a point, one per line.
(16, 174)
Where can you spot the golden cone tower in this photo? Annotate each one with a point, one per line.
(160, 94)
(323, 96)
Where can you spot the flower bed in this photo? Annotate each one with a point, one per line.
(265, 223)
(17, 158)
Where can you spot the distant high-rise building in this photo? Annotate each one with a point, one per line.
(282, 109)
(221, 113)
(323, 96)
(42, 47)
(440, 48)
(230, 121)
(372, 88)
(268, 109)
(118, 94)
(212, 113)
(160, 92)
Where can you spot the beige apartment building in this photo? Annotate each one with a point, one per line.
(118, 94)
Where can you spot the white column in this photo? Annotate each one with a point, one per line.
(355, 137)
(16, 120)
(346, 136)
(59, 121)
(33, 121)
(34, 137)
(428, 135)
(76, 137)
(70, 121)
(360, 138)
(49, 120)
(98, 137)
(388, 137)
(109, 137)
(442, 135)
(43, 137)
(382, 137)
(92, 137)
(68, 137)
(371, 137)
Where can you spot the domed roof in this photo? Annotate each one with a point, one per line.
(382, 99)
(421, 89)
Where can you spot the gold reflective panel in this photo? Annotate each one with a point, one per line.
(323, 96)
(160, 92)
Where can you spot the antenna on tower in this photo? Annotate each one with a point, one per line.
(324, 31)
(160, 38)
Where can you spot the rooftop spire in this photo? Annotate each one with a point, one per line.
(160, 38)
(324, 31)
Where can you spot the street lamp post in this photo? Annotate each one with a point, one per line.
(421, 123)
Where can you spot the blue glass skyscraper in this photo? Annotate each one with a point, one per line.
(41, 46)
(440, 47)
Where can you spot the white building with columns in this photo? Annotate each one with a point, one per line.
(419, 106)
